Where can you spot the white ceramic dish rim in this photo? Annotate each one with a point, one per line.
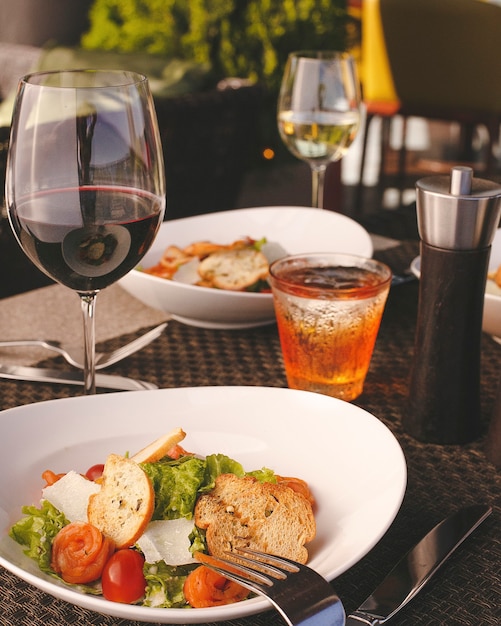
(350, 425)
(228, 219)
(252, 212)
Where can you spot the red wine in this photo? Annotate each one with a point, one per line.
(87, 238)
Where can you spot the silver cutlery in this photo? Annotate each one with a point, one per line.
(300, 596)
(43, 375)
(416, 568)
(74, 356)
(299, 593)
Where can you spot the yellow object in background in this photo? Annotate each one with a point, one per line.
(375, 69)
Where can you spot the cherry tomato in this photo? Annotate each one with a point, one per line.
(122, 578)
(94, 472)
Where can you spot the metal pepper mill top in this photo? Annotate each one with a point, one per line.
(457, 219)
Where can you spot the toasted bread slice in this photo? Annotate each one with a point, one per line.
(234, 270)
(160, 447)
(124, 505)
(201, 249)
(243, 512)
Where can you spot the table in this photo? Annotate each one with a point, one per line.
(466, 592)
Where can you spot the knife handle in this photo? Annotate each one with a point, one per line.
(417, 567)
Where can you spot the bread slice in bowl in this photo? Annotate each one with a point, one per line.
(234, 270)
(269, 517)
(159, 448)
(123, 507)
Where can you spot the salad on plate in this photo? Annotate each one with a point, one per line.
(129, 529)
(242, 265)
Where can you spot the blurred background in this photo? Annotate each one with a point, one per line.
(215, 68)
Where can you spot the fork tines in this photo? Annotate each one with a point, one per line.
(258, 570)
(296, 590)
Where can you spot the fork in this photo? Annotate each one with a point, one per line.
(301, 595)
(103, 359)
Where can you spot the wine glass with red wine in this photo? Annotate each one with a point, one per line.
(85, 188)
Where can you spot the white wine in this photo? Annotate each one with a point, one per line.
(320, 136)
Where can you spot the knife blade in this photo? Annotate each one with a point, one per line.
(416, 568)
(103, 381)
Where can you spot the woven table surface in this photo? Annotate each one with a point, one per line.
(467, 591)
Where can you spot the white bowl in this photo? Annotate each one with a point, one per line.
(492, 303)
(295, 229)
(491, 323)
(357, 498)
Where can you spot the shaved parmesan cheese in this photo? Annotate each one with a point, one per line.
(167, 540)
(70, 495)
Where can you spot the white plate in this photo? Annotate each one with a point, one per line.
(491, 322)
(352, 462)
(295, 229)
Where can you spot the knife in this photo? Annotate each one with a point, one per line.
(104, 381)
(416, 568)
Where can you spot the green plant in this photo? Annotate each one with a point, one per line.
(244, 38)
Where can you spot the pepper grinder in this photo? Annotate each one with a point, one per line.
(457, 219)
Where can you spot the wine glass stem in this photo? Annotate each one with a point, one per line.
(317, 185)
(88, 306)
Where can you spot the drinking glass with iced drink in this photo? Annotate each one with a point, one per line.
(328, 309)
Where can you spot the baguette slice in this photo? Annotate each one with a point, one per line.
(160, 447)
(243, 512)
(124, 505)
(234, 270)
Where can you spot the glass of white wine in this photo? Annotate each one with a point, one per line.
(319, 110)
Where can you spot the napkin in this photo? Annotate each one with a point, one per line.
(381, 243)
(54, 313)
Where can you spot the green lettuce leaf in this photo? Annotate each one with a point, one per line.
(259, 243)
(176, 484)
(197, 540)
(37, 530)
(217, 464)
(263, 475)
(164, 585)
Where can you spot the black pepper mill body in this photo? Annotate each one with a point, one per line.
(457, 219)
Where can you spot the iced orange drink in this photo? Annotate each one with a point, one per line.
(328, 309)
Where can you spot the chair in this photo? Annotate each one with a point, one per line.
(207, 140)
(444, 66)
